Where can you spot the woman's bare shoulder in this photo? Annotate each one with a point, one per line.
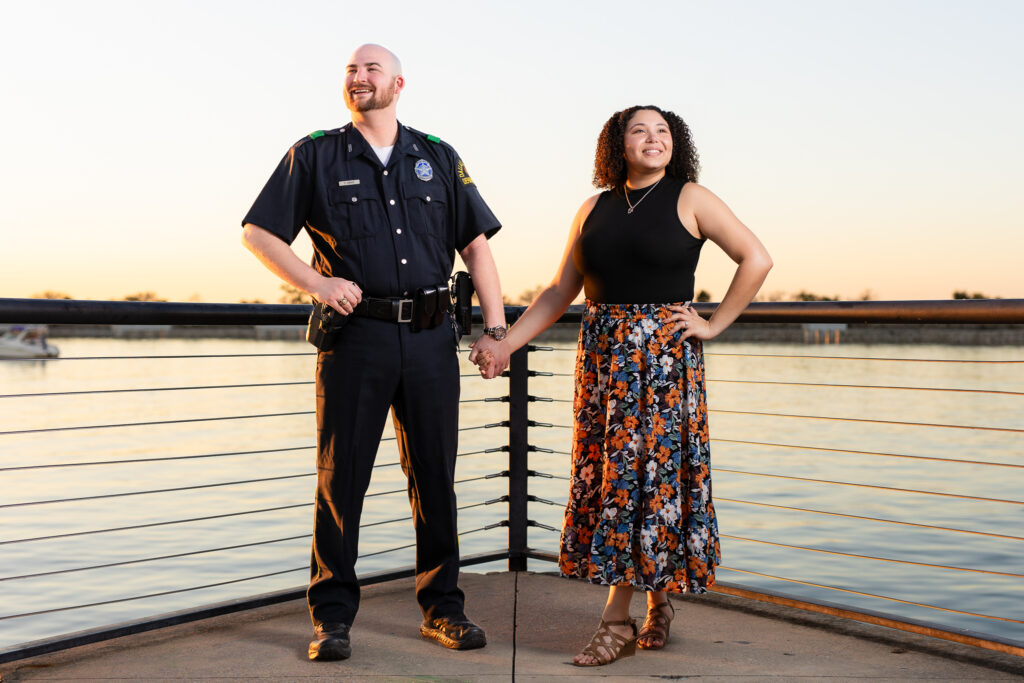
(584, 210)
(696, 192)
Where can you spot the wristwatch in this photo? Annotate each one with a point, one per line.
(497, 332)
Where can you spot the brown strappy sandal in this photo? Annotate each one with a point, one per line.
(656, 626)
(606, 646)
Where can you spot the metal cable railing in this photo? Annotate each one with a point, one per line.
(790, 356)
(826, 449)
(253, 544)
(873, 595)
(146, 390)
(153, 423)
(522, 429)
(826, 385)
(762, 535)
(854, 556)
(879, 487)
(217, 584)
(864, 518)
(837, 418)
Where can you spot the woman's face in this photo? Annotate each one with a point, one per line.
(648, 142)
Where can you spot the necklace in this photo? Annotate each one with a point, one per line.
(633, 206)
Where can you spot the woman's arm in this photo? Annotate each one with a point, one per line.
(549, 305)
(700, 207)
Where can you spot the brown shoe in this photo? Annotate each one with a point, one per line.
(606, 646)
(654, 634)
(330, 643)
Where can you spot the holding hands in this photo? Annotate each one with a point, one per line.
(490, 356)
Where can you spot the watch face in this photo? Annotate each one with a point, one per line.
(498, 333)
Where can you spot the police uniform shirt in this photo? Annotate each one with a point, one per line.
(390, 229)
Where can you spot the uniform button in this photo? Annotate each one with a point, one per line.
(428, 197)
(355, 199)
(404, 262)
(399, 231)
(392, 201)
(385, 172)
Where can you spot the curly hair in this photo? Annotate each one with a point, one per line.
(610, 162)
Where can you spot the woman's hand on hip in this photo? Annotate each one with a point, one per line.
(689, 321)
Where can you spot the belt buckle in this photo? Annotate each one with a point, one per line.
(408, 317)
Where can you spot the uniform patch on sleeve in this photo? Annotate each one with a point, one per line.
(460, 171)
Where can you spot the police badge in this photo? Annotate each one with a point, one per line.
(423, 170)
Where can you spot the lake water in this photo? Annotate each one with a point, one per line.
(247, 483)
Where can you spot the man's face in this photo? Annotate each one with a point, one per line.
(370, 81)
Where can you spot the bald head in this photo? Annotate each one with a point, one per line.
(373, 79)
(373, 53)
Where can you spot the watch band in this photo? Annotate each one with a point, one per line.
(497, 332)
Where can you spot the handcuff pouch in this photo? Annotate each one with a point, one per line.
(429, 307)
(324, 327)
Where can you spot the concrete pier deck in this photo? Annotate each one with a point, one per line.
(534, 624)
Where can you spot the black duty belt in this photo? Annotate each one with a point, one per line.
(393, 309)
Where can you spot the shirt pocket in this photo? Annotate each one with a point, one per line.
(353, 210)
(427, 210)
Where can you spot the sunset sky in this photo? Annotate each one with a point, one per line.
(874, 145)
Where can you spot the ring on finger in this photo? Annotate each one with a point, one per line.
(344, 301)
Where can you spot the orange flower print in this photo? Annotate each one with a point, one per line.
(640, 437)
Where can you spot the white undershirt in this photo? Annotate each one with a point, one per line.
(383, 153)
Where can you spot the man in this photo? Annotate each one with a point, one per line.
(386, 208)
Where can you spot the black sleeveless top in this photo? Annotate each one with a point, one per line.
(637, 258)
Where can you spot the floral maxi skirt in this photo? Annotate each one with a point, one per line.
(640, 509)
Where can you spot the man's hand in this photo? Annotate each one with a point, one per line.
(340, 294)
(489, 355)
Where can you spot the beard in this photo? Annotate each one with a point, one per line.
(379, 99)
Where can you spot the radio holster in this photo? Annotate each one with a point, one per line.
(462, 288)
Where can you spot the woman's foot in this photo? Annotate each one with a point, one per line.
(613, 640)
(654, 634)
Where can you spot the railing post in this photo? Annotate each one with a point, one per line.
(518, 381)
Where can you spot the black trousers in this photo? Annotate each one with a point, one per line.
(377, 366)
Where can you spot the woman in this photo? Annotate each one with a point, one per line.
(640, 514)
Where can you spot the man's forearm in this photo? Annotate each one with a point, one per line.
(279, 258)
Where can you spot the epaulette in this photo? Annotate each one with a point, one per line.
(320, 133)
(433, 138)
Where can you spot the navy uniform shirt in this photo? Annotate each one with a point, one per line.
(389, 229)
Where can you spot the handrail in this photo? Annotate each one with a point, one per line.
(518, 448)
(78, 312)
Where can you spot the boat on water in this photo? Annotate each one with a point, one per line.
(26, 341)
